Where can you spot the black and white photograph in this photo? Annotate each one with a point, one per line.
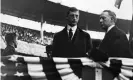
(66, 40)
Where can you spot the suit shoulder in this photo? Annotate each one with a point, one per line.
(85, 33)
(8, 51)
(58, 33)
(120, 32)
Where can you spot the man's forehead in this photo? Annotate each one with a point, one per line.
(104, 14)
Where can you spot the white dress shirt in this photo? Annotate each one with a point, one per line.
(110, 28)
(73, 29)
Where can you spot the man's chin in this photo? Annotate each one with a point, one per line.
(103, 27)
(73, 24)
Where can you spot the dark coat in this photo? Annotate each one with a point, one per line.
(115, 44)
(9, 68)
(9, 50)
(131, 46)
(77, 47)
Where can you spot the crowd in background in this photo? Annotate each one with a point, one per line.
(27, 35)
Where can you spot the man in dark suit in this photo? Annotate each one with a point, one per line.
(115, 42)
(71, 41)
(11, 41)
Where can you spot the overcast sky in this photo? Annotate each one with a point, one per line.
(91, 6)
(97, 6)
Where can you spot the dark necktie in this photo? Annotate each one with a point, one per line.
(70, 34)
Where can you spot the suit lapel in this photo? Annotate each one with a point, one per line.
(106, 40)
(75, 36)
(109, 34)
(65, 34)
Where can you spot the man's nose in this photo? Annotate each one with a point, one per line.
(74, 17)
(101, 20)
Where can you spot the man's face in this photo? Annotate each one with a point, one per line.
(105, 20)
(73, 18)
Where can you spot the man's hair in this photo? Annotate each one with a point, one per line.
(112, 14)
(72, 9)
(10, 37)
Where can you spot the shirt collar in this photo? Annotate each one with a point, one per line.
(110, 28)
(73, 28)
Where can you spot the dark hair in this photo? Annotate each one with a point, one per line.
(72, 9)
(112, 14)
(10, 37)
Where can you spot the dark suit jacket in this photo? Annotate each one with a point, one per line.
(131, 46)
(9, 50)
(115, 44)
(78, 47)
(9, 65)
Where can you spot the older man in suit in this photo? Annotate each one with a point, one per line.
(115, 42)
(71, 41)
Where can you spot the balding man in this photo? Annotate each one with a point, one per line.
(115, 42)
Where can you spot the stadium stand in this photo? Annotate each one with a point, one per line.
(27, 35)
(29, 41)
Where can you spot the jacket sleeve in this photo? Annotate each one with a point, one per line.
(55, 48)
(122, 46)
(89, 45)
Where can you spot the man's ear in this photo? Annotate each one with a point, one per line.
(112, 19)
